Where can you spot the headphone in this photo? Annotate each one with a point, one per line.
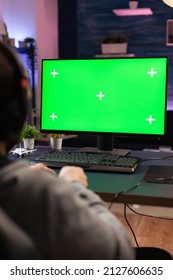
(14, 93)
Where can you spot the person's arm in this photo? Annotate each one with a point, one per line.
(74, 173)
(41, 166)
(70, 221)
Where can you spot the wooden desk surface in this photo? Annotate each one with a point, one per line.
(133, 191)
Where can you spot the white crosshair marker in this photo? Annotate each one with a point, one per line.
(152, 72)
(100, 95)
(54, 73)
(53, 116)
(150, 119)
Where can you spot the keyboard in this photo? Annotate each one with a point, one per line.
(91, 161)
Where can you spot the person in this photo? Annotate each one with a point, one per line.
(55, 213)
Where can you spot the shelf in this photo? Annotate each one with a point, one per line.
(21, 50)
(115, 55)
(133, 12)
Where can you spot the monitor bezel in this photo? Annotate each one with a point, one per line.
(111, 134)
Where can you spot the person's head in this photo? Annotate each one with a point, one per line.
(13, 96)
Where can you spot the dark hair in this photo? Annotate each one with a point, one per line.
(13, 95)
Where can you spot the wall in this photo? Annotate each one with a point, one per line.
(1, 8)
(20, 18)
(37, 19)
(46, 34)
(146, 34)
(67, 23)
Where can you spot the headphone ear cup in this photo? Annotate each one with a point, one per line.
(25, 85)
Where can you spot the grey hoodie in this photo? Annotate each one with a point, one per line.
(64, 220)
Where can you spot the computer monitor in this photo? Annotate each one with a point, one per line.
(123, 96)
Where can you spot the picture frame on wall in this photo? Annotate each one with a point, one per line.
(169, 32)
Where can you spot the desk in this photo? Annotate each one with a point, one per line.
(107, 185)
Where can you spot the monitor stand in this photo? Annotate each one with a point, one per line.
(105, 144)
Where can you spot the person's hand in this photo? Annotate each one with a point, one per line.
(41, 166)
(74, 173)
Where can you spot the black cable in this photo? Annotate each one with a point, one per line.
(148, 159)
(117, 143)
(122, 192)
(146, 215)
(115, 196)
(125, 216)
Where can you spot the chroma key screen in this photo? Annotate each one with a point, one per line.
(117, 96)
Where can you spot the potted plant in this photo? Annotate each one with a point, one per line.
(114, 45)
(28, 134)
(133, 4)
(56, 141)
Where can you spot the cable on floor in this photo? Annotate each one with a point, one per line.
(147, 215)
(125, 216)
(132, 231)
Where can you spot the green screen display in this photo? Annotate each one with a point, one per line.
(118, 96)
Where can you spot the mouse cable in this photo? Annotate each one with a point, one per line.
(147, 215)
(121, 193)
(132, 231)
(154, 158)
